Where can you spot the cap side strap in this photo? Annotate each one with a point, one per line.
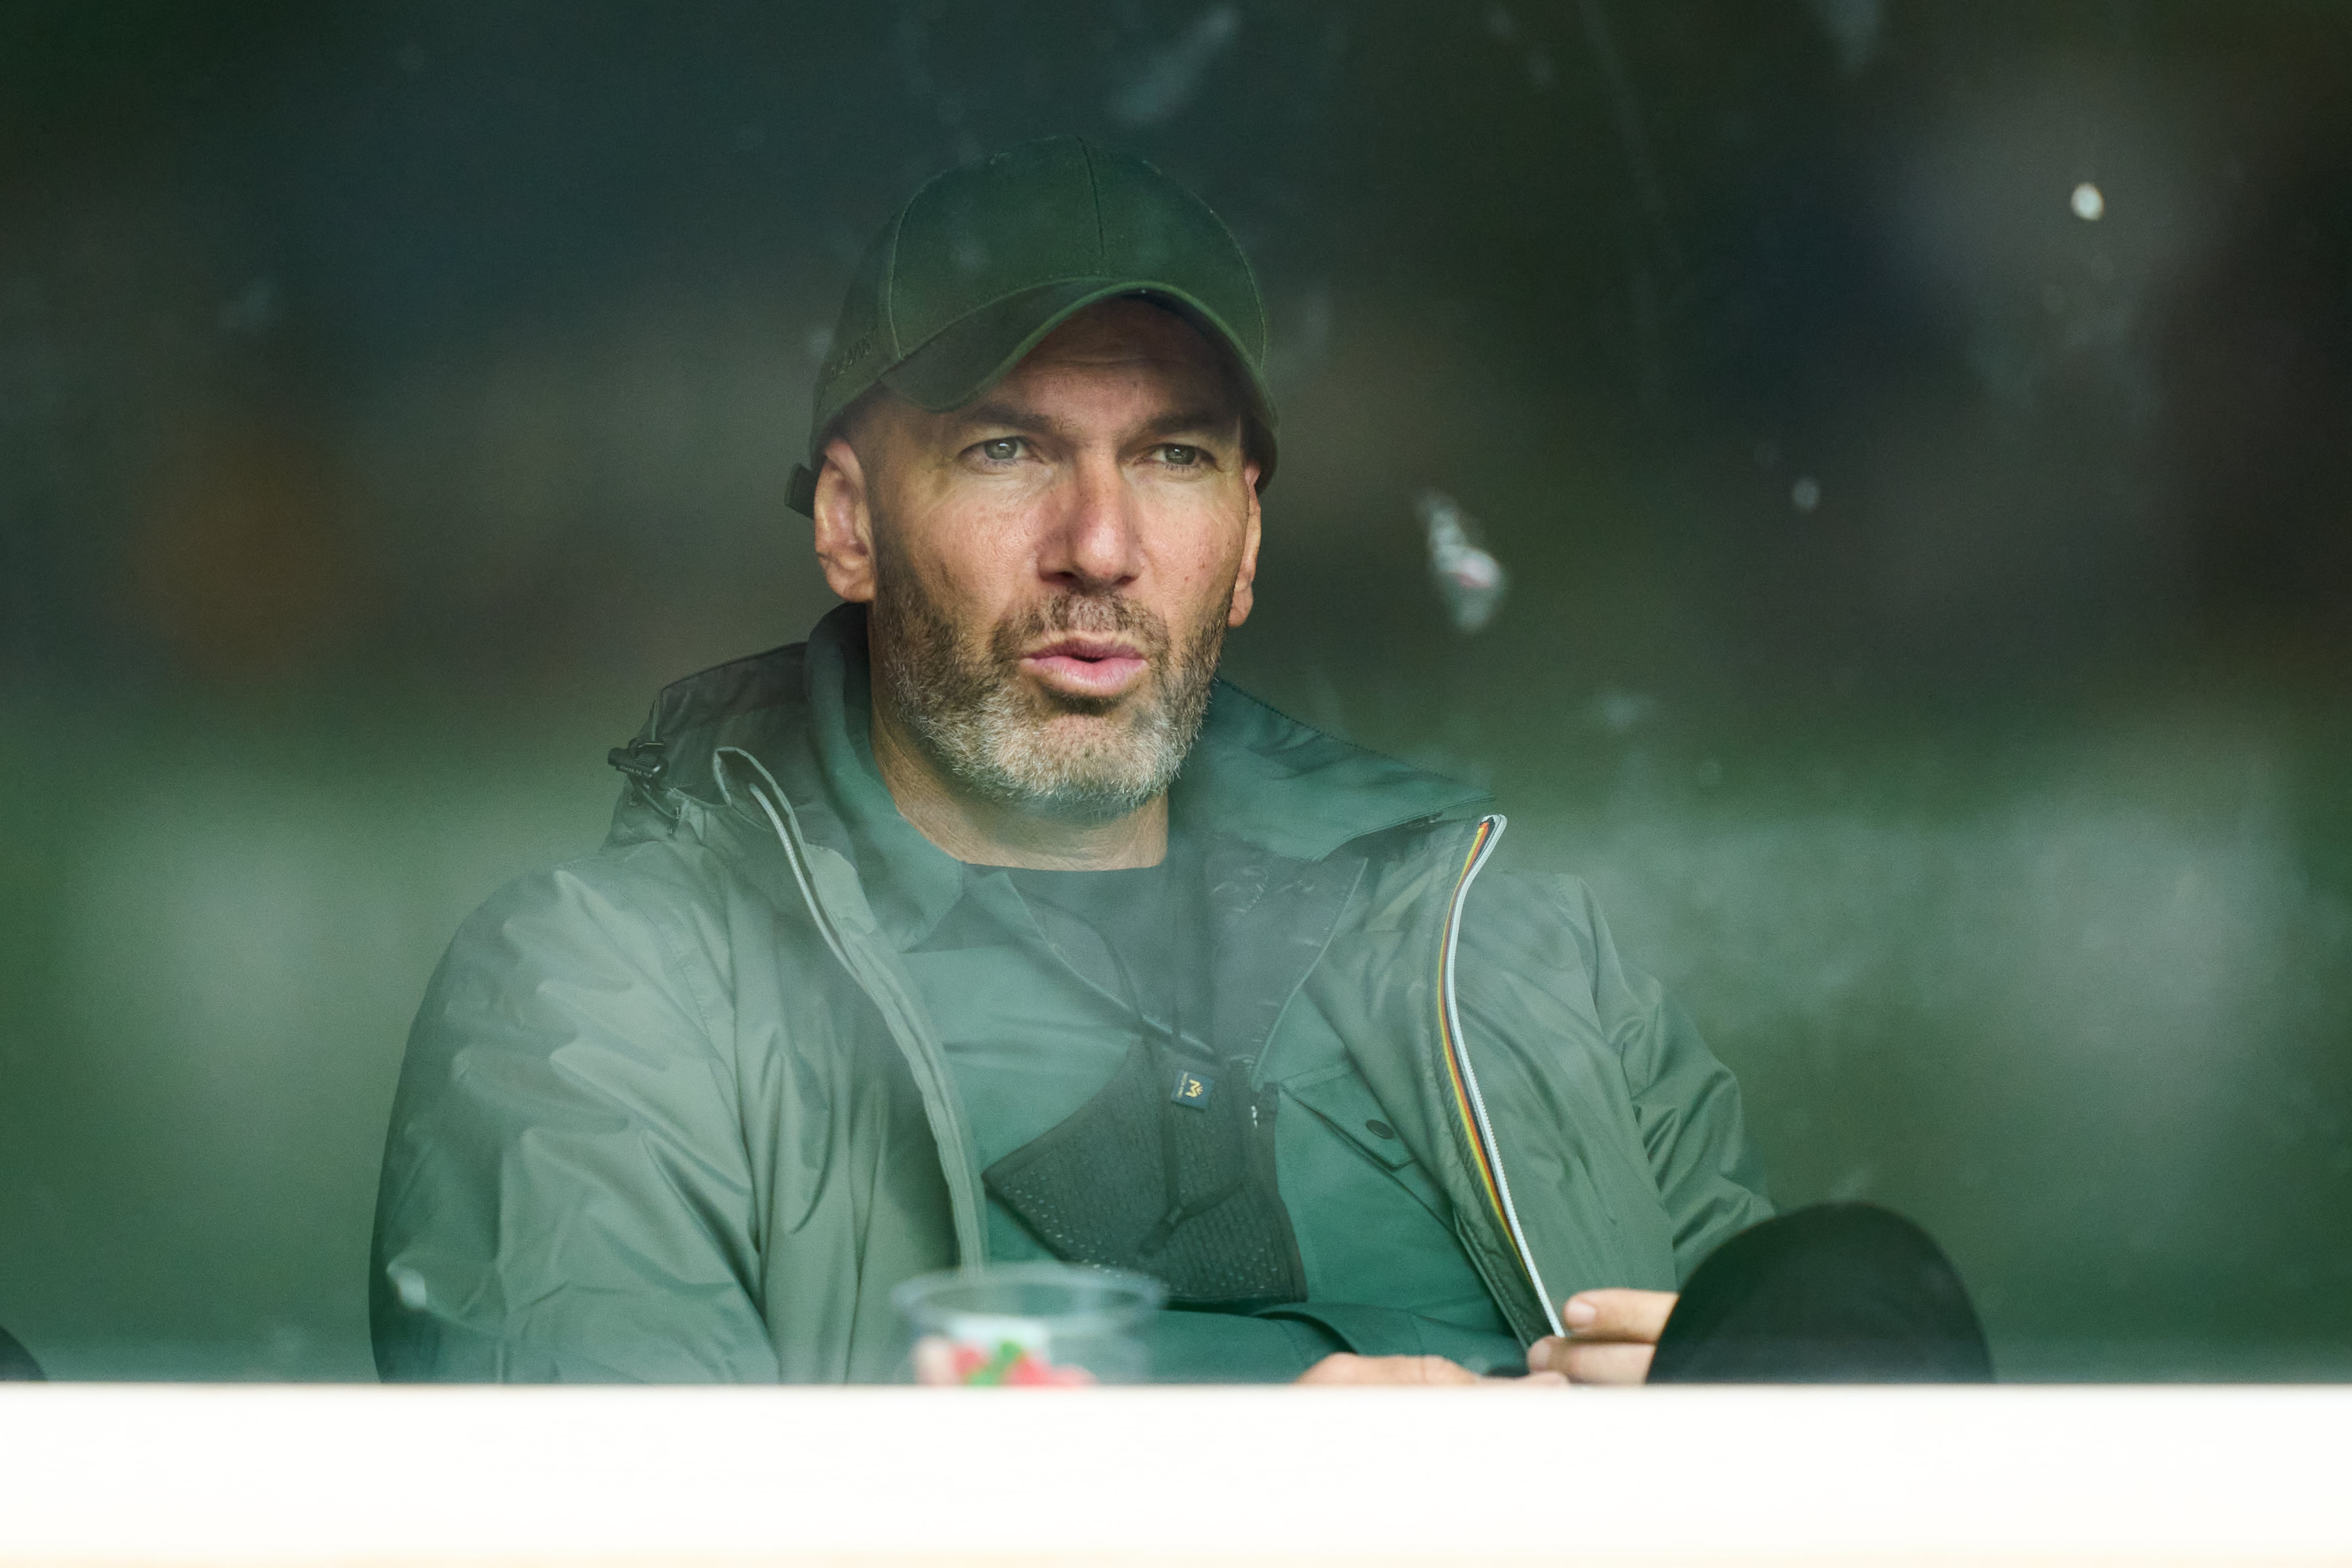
(799, 494)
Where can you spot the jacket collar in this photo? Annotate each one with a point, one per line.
(1255, 774)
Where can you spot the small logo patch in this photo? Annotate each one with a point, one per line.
(1193, 1089)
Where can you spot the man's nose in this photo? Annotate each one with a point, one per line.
(1095, 545)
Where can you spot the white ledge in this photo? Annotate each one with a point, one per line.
(279, 1475)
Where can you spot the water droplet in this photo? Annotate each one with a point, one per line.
(1469, 579)
(1173, 73)
(2089, 205)
(1620, 712)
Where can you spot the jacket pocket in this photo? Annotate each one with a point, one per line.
(1340, 1099)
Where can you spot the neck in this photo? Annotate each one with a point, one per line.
(989, 832)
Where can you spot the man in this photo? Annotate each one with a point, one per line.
(988, 925)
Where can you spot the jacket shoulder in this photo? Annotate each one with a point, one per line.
(652, 911)
(1554, 908)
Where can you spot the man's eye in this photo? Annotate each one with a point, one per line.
(1182, 457)
(1003, 449)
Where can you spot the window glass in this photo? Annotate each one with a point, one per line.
(1864, 484)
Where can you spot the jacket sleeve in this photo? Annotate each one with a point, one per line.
(1685, 1104)
(566, 1194)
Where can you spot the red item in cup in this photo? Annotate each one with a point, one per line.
(1013, 1366)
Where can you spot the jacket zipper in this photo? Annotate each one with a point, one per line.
(1471, 1103)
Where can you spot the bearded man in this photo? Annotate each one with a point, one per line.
(902, 935)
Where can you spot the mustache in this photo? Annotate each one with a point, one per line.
(1081, 615)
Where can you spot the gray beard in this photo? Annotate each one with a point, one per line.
(989, 731)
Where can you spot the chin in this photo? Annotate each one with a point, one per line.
(1055, 705)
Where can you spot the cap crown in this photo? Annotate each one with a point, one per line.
(1008, 248)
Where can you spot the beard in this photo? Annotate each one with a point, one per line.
(1004, 738)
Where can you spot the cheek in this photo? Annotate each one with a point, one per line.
(971, 570)
(1206, 559)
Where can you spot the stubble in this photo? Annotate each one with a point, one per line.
(1009, 740)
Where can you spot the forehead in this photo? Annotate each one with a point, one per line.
(1124, 335)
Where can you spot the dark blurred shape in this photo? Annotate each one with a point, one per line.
(1833, 1293)
(17, 1363)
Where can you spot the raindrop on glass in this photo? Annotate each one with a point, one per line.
(1469, 580)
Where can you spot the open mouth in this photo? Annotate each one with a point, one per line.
(1094, 666)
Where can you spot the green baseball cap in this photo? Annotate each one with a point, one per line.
(984, 261)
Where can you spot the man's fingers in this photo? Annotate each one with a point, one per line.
(1621, 1364)
(1635, 1316)
(1620, 1361)
(1611, 1336)
(1341, 1370)
(935, 1362)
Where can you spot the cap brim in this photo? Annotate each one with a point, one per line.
(971, 355)
(974, 353)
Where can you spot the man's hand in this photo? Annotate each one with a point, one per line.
(1611, 1334)
(1425, 1371)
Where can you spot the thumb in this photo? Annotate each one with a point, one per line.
(1634, 1316)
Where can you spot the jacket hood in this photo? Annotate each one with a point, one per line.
(1254, 773)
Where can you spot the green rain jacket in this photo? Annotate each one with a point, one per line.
(674, 1112)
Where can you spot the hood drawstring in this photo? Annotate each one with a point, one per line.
(778, 811)
(963, 1197)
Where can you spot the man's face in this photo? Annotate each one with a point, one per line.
(1053, 567)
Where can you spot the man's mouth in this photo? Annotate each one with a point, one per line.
(1088, 667)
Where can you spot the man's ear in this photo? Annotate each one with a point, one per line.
(844, 524)
(1245, 578)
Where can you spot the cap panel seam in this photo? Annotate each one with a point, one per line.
(1094, 194)
(890, 279)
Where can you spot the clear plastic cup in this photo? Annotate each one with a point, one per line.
(1029, 1325)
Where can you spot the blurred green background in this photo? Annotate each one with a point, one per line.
(1928, 614)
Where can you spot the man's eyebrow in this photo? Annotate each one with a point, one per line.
(1181, 422)
(1196, 421)
(1010, 414)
